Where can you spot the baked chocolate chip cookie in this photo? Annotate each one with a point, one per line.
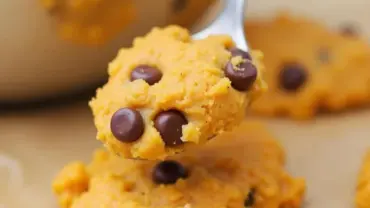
(309, 67)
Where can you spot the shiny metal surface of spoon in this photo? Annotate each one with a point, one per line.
(230, 22)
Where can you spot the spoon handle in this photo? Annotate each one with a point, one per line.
(230, 21)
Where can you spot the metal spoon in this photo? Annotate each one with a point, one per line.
(230, 22)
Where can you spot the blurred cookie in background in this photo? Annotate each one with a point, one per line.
(309, 67)
(91, 22)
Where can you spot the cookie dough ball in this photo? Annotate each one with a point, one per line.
(168, 92)
(232, 172)
(305, 62)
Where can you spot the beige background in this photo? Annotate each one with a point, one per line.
(327, 151)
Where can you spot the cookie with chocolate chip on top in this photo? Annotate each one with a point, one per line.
(169, 92)
(309, 67)
(243, 169)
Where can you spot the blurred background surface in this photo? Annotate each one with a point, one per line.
(52, 48)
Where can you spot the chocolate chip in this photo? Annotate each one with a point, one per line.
(238, 52)
(168, 172)
(349, 30)
(55, 8)
(292, 76)
(241, 76)
(169, 124)
(149, 74)
(179, 5)
(250, 200)
(127, 125)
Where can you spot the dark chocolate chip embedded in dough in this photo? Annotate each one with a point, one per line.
(250, 200)
(127, 125)
(168, 172)
(169, 125)
(149, 74)
(292, 77)
(238, 52)
(241, 76)
(349, 30)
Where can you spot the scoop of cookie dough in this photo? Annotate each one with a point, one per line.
(230, 172)
(168, 92)
(309, 67)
